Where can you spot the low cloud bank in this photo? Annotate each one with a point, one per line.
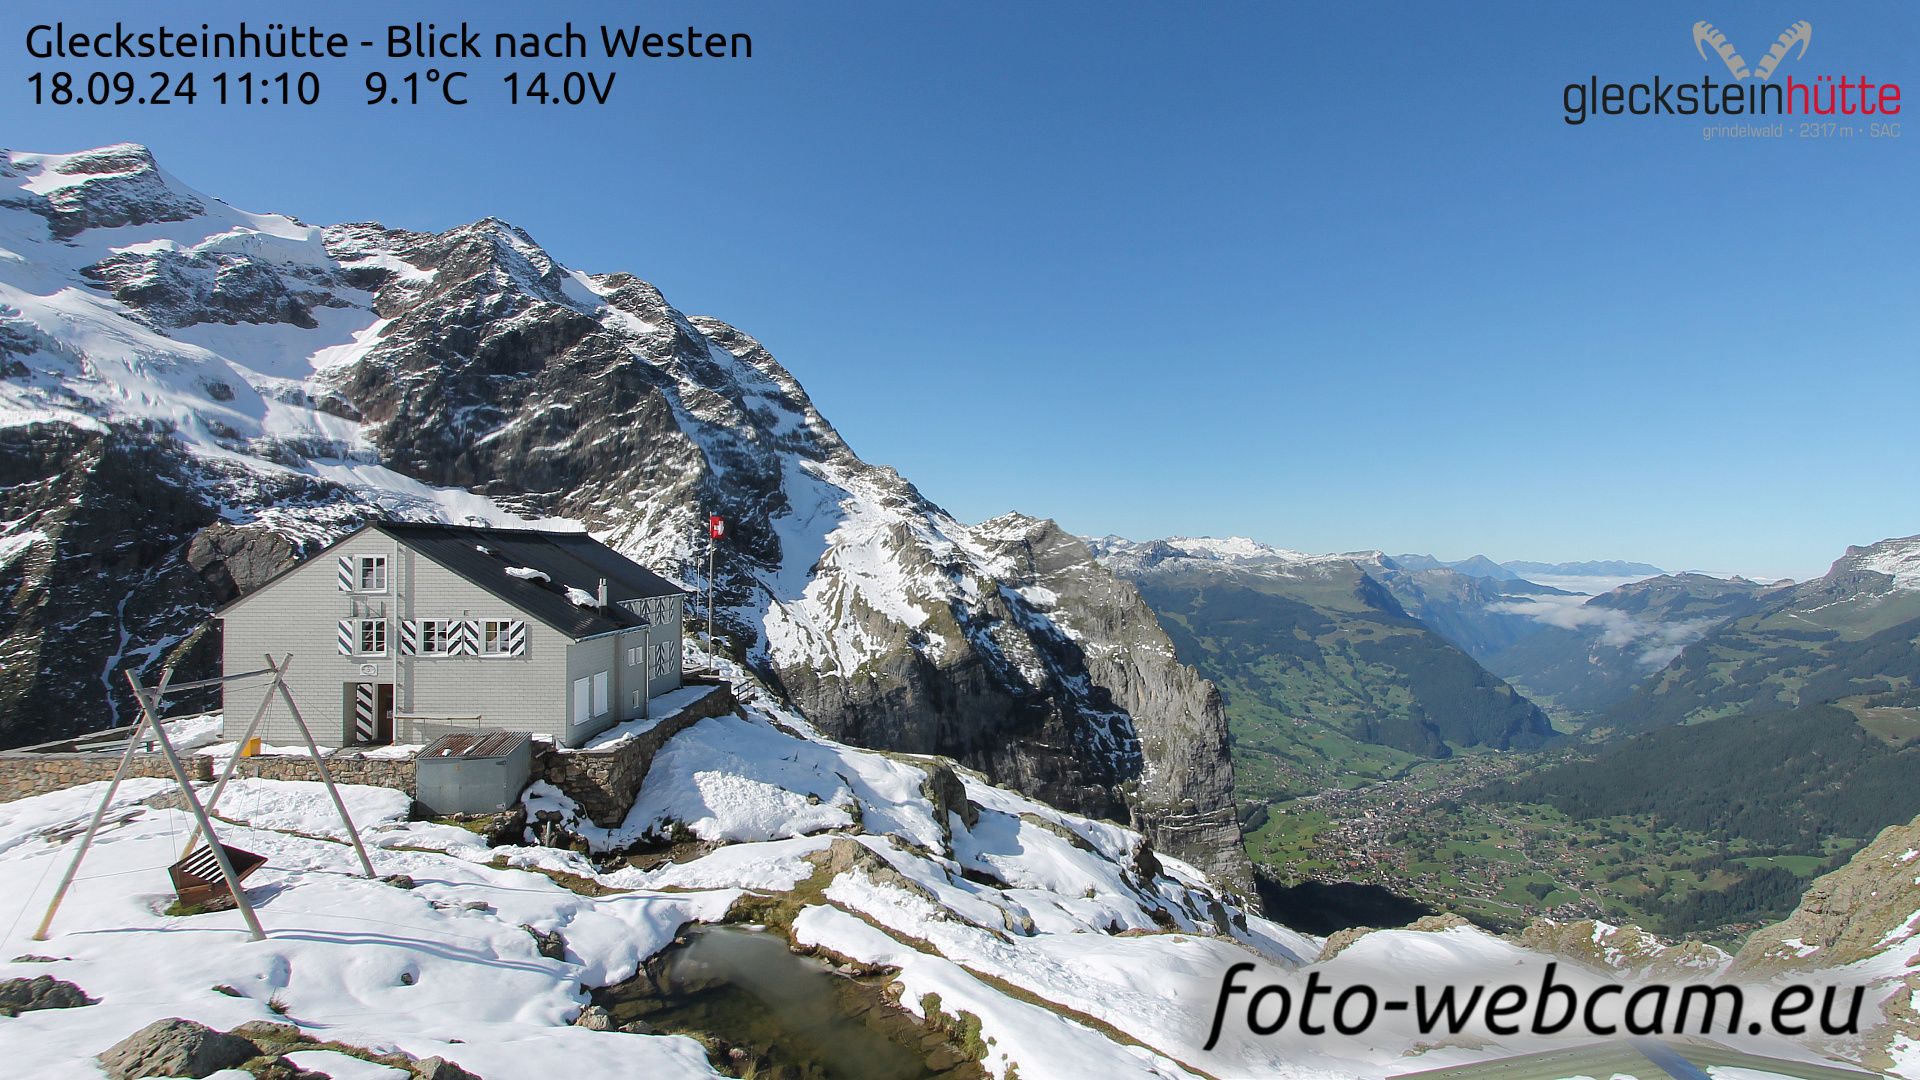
(1655, 644)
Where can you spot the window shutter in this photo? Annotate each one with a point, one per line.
(349, 636)
(409, 637)
(516, 638)
(463, 637)
(346, 573)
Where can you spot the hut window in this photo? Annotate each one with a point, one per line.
(373, 573)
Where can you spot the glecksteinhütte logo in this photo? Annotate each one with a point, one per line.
(1750, 93)
(1705, 34)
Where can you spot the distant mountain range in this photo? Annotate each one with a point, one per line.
(1591, 568)
(1848, 637)
(1483, 567)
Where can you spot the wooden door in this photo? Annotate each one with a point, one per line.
(370, 713)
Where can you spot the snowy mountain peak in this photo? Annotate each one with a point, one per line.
(1230, 549)
(111, 187)
(1213, 553)
(295, 380)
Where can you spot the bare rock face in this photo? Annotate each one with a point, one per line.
(117, 544)
(175, 1047)
(1341, 940)
(1621, 950)
(98, 520)
(236, 560)
(1862, 909)
(595, 1018)
(1867, 909)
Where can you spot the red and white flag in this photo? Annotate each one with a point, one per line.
(716, 527)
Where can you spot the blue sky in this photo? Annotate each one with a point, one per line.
(1332, 276)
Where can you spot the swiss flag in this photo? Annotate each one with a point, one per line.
(717, 527)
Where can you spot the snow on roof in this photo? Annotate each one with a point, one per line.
(524, 573)
(581, 597)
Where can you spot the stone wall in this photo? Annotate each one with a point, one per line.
(22, 775)
(347, 767)
(604, 782)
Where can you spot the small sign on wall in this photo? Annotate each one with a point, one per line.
(369, 669)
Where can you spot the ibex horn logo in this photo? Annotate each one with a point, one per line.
(1705, 34)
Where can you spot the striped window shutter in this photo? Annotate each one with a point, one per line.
(349, 636)
(662, 660)
(463, 638)
(516, 638)
(409, 637)
(346, 573)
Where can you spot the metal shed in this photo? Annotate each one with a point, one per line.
(475, 773)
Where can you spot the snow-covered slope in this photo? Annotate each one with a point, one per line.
(1075, 950)
(965, 888)
(192, 395)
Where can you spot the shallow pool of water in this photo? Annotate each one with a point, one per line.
(794, 1016)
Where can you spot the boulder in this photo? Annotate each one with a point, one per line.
(594, 1018)
(439, 1068)
(41, 992)
(176, 1047)
(550, 943)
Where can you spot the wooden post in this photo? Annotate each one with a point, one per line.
(152, 710)
(99, 814)
(326, 775)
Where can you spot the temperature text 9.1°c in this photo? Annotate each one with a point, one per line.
(407, 90)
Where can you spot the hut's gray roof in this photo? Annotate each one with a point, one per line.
(567, 559)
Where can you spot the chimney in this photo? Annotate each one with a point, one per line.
(603, 593)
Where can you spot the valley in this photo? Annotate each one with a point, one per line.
(1716, 743)
(1434, 837)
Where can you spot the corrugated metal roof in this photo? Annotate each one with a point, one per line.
(567, 560)
(479, 744)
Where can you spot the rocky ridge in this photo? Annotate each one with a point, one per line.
(195, 395)
(1860, 923)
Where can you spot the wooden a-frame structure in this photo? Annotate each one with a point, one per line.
(149, 699)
